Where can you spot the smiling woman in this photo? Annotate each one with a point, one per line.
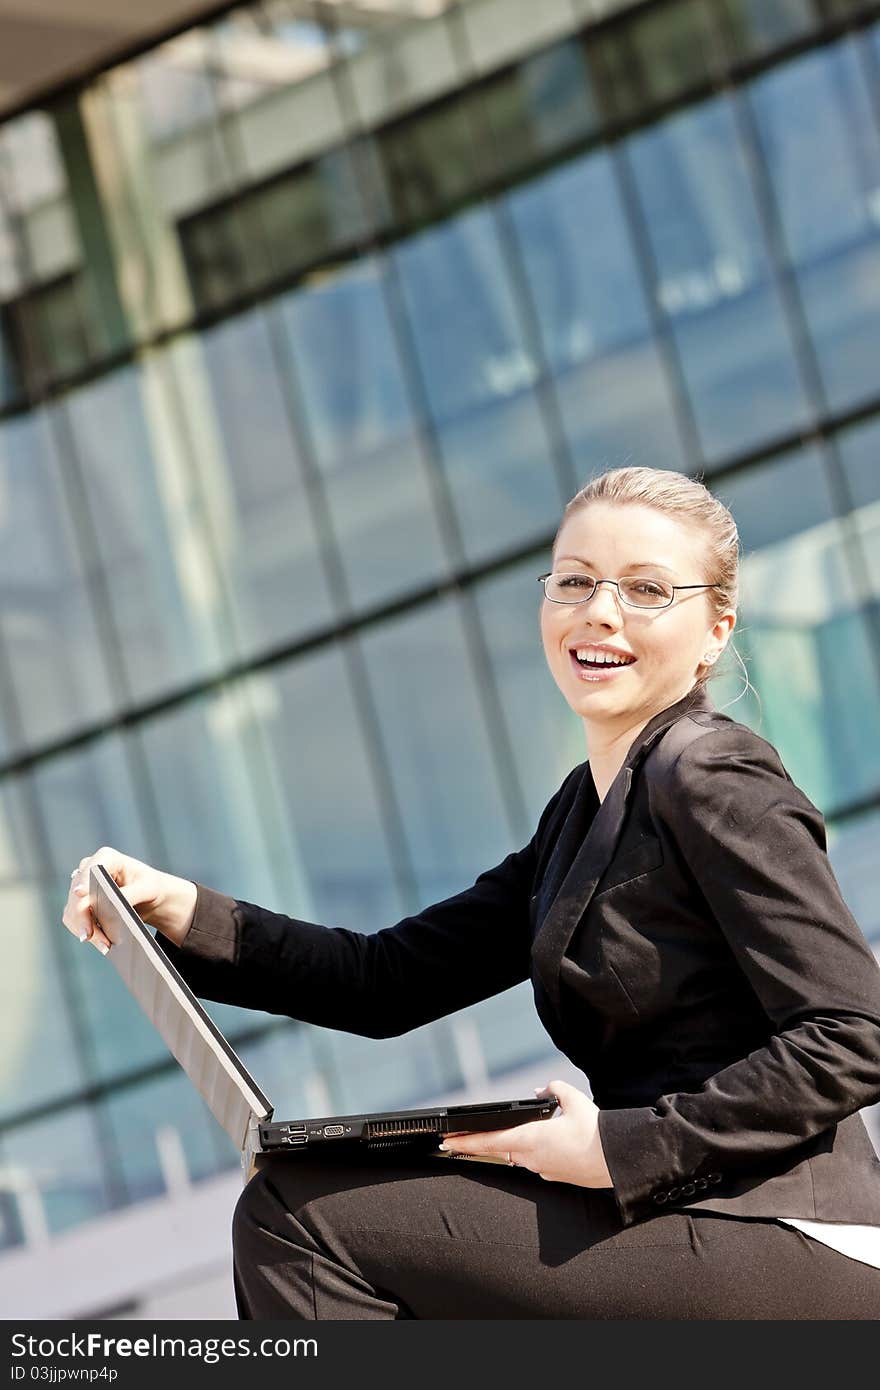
(689, 949)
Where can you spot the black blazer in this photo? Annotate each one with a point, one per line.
(689, 949)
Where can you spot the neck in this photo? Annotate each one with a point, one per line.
(608, 742)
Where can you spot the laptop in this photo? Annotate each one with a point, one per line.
(231, 1093)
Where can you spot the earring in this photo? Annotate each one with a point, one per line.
(710, 657)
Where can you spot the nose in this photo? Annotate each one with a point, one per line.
(605, 605)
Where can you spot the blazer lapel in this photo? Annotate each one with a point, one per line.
(592, 851)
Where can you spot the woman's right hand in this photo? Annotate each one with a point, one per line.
(163, 900)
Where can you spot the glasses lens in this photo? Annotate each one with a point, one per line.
(645, 592)
(570, 588)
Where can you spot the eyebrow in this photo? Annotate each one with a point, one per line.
(644, 565)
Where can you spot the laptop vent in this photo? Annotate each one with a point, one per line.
(402, 1128)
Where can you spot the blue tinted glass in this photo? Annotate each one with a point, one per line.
(59, 1161)
(158, 579)
(165, 1137)
(852, 849)
(333, 825)
(265, 530)
(386, 1073)
(53, 656)
(822, 145)
(714, 278)
(209, 776)
(40, 1057)
(435, 735)
(803, 633)
(499, 465)
(87, 799)
(859, 450)
(357, 412)
(545, 735)
(594, 320)
(462, 314)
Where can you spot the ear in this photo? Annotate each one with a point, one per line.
(720, 633)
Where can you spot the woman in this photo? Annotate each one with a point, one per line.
(689, 949)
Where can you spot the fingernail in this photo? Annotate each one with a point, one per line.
(444, 1147)
(83, 936)
(103, 950)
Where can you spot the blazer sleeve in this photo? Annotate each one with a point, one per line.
(454, 953)
(755, 848)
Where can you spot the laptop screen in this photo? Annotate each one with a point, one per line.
(226, 1085)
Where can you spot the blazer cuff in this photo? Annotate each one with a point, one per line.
(214, 933)
(647, 1179)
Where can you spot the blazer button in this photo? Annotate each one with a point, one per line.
(673, 1193)
(659, 1198)
(688, 1190)
(713, 1177)
(701, 1183)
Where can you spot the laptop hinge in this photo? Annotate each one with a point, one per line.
(252, 1150)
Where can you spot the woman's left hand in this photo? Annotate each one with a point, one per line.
(566, 1148)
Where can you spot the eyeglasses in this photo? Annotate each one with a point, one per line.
(637, 591)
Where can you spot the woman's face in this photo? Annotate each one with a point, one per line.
(610, 540)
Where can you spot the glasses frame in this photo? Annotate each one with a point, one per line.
(642, 607)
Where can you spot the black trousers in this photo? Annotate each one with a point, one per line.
(343, 1238)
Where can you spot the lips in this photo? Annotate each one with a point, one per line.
(607, 671)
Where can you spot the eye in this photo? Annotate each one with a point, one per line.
(574, 581)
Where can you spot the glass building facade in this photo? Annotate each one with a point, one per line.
(311, 321)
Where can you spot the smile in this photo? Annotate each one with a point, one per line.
(604, 671)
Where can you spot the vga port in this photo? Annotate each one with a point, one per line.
(331, 1130)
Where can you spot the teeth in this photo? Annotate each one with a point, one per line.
(606, 658)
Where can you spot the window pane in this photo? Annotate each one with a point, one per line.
(822, 144)
(39, 1057)
(811, 651)
(54, 657)
(86, 799)
(357, 411)
(852, 849)
(58, 1161)
(859, 450)
(439, 741)
(326, 774)
(546, 736)
(164, 1133)
(463, 315)
(499, 464)
(264, 528)
(758, 26)
(715, 279)
(593, 317)
(159, 580)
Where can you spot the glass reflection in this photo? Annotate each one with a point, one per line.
(57, 1165)
(593, 317)
(714, 278)
(822, 146)
(146, 530)
(811, 651)
(264, 527)
(165, 1137)
(852, 849)
(216, 802)
(545, 736)
(360, 423)
(39, 1055)
(54, 651)
(327, 779)
(87, 799)
(421, 673)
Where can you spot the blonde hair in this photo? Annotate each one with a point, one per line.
(690, 502)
